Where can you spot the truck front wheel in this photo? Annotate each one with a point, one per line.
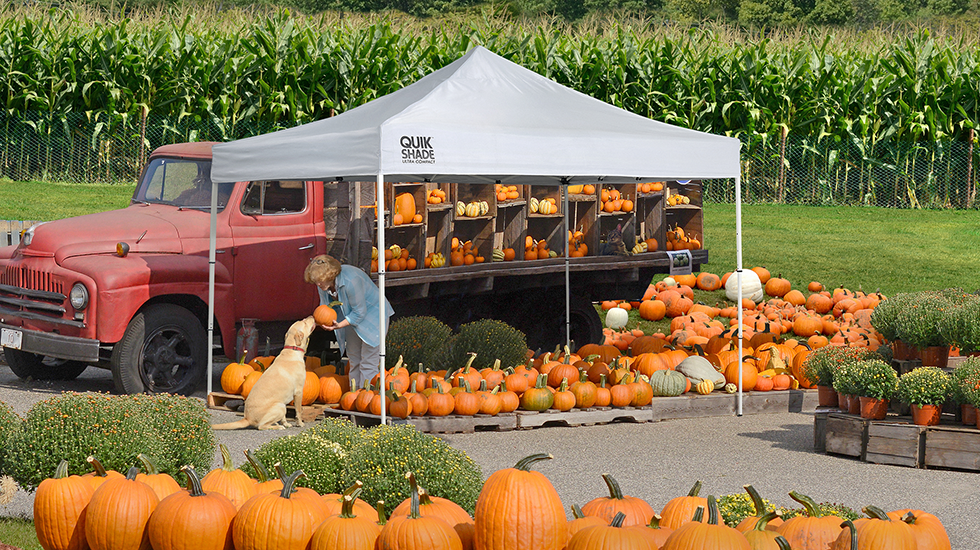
(162, 351)
(39, 367)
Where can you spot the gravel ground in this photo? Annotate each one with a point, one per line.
(654, 461)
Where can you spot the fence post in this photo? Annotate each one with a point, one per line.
(782, 166)
(970, 188)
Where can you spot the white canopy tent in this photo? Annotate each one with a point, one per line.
(480, 119)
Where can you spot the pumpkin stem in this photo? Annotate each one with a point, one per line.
(226, 459)
(698, 514)
(193, 481)
(524, 464)
(382, 516)
(61, 471)
(849, 525)
(617, 520)
(97, 466)
(414, 507)
(909, 518)
(347, 508)
(564, 385)
(782, 543)
(765, 519)
(614, 490)
(577, 512)
(483, 385)
(712, 510)
(131, 474)
(757, 503)
(695, 490)
(655, 522)
(148, 465)
(287, 483)
(602, 380)
(876, 513)
(812, 510)
(496, 364)
(260, 468)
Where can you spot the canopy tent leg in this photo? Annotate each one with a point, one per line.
(568, 307)
(379, 218)
(738, 274)
(212, 246)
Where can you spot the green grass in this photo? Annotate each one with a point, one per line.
(42, 201)
(19, 532)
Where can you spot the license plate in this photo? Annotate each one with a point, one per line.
(11, 338)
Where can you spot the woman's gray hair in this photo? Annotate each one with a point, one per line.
(322, 269)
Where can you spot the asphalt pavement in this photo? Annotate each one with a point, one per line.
(654, 461)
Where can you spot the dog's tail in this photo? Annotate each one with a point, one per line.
(237, 425)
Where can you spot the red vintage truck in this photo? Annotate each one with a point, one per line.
(127, 289)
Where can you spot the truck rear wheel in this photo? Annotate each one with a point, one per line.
(39, 367)
(162, 351)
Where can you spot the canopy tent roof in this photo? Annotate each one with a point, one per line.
(481, 118)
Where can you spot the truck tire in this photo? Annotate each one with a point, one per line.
(39, 367)
(586, 324)
(543, 321)
(164, 350)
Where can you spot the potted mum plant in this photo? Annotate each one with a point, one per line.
(884, 319)
(921, 323)
(962, 324)
(844, 386)
(821, 366)
(963, 376)
(925, 389)
(875, 383)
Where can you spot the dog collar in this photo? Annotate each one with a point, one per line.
(296, 348)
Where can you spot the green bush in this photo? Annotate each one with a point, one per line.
(173, 430)
(9, 424)
(418, 339)
(826, 508)
(738, 506)
(388, 452)
(338, 430)
(321, 460)
(490, 340)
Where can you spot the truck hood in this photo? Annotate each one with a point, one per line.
(150, 225)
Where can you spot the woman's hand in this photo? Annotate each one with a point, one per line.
(335, 326)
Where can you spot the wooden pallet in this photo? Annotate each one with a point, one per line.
(582, 417)
(898, 443)
(235, 403)
(450, 424)
(847, 434)
(952, 447)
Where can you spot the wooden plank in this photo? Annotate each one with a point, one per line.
(435, 424)
(692, 406)
(235, 403)
(952, 447)
(898, 444)
(582, 417)
(765, 402)
(820, 431)
(847, 435)
(803, 400)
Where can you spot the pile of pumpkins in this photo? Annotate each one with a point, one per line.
(838, 317)
(517, 509)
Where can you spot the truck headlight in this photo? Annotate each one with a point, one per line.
(28, 234)
(78, 297)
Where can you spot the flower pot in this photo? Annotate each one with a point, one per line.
(968, 414)
(934, 356)
(872, 408)
(826, 396)
(926, 415)
(842, 402)
(903, 352)
(853, 404)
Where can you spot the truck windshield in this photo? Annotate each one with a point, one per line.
(180, 182)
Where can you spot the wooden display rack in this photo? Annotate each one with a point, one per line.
(222, 401)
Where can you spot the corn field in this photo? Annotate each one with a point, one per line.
(879, 118)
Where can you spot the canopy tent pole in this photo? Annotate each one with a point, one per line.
(379, 218)
(568, 297)
(212, 245)
(738, 274)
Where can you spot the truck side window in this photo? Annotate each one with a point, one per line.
(274, 197)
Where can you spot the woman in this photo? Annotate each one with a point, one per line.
(359, 300)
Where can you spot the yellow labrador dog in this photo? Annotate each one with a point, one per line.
(282, 382)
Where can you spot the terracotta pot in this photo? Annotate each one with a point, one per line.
(968, 414)
(934, 356)
(853, 404)
(872, 408)
(826, 396)
(842, 402)
(926, 415)
(903, 352)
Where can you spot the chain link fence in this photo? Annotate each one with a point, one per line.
(785, 169)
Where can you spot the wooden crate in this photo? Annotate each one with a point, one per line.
(478, 230)
(542, 192)
(901, 444)
(692, 406)
(444, 205)
(847, 435)
(820, 430)
(417, 190)
(509, 229)
(549, 228)
(438, 232)
(582, 216)
(235, 403)
(650, 219)
(626, 222)
(469, 192)
(952, 447)
(410, 237)
(520, 200)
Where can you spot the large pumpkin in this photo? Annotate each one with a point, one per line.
(118, 514)
(652, 310)
(519, 509)
(162, 483)
(680, 510)
(709, 535)
(929, 531)
(275, 521)
(751, 287)
(346, 530)
(59, 510)
(813, 531)
(437, 507)
(636, 510)
(668, 383)
(233, 376)
(609, 537)
(192, 519)
(229, 481)
(708, 281)
(759, 506)
(876, 532)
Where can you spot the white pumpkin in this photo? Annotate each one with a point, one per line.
(669, 282)
(751, 286)
(616, 318)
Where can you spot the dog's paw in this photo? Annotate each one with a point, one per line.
(300, 424)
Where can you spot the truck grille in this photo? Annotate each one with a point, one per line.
(31, 294)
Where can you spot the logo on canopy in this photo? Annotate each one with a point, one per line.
(417, 150)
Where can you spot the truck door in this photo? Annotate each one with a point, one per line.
(275, 239)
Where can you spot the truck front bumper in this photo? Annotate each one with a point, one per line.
(56, 345)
